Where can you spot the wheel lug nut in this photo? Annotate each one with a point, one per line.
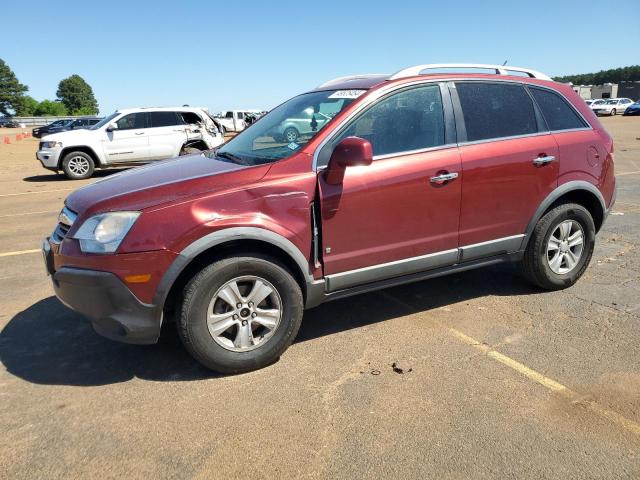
(254, 315)
(239, 305)
(235, 317)
(244, 323)
(251, 304)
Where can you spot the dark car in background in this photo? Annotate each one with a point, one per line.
(8, 123)
(65, 125)
(633, 109)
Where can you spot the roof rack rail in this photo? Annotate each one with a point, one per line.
(499, 69)
(349, 78)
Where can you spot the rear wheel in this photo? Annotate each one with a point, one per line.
(560, 248)
(77, 165)
(240, 314)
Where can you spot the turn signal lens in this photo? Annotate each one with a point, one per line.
(138, 278)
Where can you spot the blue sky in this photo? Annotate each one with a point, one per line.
(255, 54)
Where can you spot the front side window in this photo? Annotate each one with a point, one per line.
(164, 119)
(402, 122)
(286, 129)
(132, 121)
(496, 110)
(555, 110)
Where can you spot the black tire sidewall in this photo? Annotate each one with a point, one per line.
(582, 216)
(71, 175)
(193, 324)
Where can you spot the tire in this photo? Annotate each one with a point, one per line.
(290, 135)
(613, 112)
(188, 151)
(540, 263)
(229, 351)
(78, 165)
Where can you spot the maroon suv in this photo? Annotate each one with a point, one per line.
(390, 179)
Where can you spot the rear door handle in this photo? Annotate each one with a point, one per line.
(139, 133)
(539, 161)
(443, 178)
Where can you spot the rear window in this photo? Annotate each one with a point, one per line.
(164, 119)
(492, 110)
(558, 114)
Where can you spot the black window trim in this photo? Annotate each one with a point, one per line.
(567, 102)
(178, 118)
(448, 117)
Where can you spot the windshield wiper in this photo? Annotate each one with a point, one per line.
(230, 156)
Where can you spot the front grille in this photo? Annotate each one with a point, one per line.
(65, 220)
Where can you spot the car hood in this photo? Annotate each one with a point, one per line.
(71, 137)
(160, 183)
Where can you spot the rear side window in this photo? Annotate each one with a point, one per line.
(558, 114)
(164, 119)
(405, 121)
(190, 117)
(494, 110)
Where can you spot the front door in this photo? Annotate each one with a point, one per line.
(129, 142)
(396, 216)
(509, 165)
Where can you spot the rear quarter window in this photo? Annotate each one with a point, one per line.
(556, 111)
(494, 110)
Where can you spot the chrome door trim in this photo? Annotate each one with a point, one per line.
(408, 266)
(491, 247)
(360, 276)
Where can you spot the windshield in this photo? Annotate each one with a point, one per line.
(104, 121)
(287, 128)
(611, 102)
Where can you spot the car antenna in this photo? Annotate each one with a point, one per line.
(505, 62)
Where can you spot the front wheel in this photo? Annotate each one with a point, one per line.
(240, 314)
(613, 112)
(560, 247)
(77, 165)
(291, 134)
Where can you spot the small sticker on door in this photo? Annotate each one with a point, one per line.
(293, 145)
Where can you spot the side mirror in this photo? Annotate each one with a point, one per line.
(350, 152)
(111, 127)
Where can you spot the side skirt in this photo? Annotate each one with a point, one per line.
(316, 295)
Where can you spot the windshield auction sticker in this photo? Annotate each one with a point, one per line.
(347, 93)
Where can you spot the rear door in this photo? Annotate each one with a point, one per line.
(129, 142)
(167, 135)
(390, 218)
(509, 165)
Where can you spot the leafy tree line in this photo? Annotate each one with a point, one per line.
(74, 97)
(615, 75)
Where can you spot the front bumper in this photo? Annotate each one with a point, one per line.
(48, 158)
(106, 301)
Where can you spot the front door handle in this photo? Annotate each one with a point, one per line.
(139, 133)
(444, 178)
(543, 160)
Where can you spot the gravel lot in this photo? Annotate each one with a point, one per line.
(506, 381)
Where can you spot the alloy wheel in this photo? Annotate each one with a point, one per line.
(78, 165)
(565, 247)
(244, 313)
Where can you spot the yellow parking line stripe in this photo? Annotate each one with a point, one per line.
(34, 193)
(549, 383)
(627, 173)
(19, 252)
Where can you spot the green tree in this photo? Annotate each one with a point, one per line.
(615, 75)
(47, 108)
(26, 107)
(11, 90)
(77, 96)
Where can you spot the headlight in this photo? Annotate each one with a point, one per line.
(51, 144)
(103, 233)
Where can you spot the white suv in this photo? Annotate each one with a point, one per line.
(131, 136)
(612, 106)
